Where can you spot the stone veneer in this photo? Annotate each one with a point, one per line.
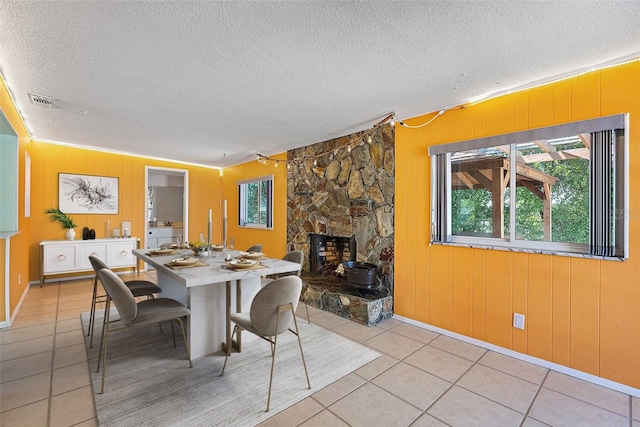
(344, 187)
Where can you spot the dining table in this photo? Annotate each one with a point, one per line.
(212, 288)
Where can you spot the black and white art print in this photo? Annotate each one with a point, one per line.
(87, 194)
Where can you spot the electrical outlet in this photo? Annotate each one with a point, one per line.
(518, 320)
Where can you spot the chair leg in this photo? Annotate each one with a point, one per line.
(295, 323)
(273, 356)
(92, 313)
(174, 335)
(103, 345)
(105, 322)
(104, 358)
(184, 337)
(306, 307)
(235, 329)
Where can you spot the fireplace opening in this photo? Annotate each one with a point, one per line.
(327, 252)
(336, 256)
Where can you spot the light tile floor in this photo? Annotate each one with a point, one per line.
(421, 379)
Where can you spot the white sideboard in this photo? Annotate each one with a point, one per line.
(72, 256)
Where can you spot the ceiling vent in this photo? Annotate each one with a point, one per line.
(41, 100)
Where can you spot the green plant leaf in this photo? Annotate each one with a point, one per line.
(59, 216)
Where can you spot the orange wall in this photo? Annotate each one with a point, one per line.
(19, 263)
(48, 160)
(274, 242)
(581, 313)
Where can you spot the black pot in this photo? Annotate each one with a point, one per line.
(85, 233)
(92, 234)
(360, 273)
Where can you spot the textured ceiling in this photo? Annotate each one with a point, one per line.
(213, 83)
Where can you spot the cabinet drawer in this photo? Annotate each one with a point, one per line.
(99, 250)
(122, 255)
(59, 258)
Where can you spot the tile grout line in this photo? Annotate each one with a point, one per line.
(535, 396)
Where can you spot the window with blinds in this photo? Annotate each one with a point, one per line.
(560, 189)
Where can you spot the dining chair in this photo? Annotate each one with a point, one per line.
(134, 313)
(255, 248)
(272, 312)
(292, 256)
(139, 288)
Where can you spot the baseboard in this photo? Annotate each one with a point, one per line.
(613, 385)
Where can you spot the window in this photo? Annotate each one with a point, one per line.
(566, 193)
(256, 202)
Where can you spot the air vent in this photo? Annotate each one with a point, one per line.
(41, 100)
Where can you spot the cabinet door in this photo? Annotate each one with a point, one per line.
(121, 254)
(84, 250)
(59, 258)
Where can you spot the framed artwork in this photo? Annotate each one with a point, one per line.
(87, 194)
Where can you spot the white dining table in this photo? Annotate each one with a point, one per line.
(209, 293)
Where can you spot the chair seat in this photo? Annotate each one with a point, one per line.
(158, 310)
(141, 288)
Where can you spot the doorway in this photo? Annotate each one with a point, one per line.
(167, 206)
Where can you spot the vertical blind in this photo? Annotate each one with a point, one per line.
(602, 198)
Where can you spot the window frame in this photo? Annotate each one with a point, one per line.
(242, 195)
(441, 231)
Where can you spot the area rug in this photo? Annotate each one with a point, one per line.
(149, 382)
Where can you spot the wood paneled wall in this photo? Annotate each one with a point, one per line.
(205, 190)
(581, 313)
(274, 242)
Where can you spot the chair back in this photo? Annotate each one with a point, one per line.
(264, 307)
(294, 256)
(255, 248)
(120, 294)
(97, 264)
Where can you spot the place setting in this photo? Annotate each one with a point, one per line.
(244, 264)
(186, 262)
(162, 251)
(252, 255)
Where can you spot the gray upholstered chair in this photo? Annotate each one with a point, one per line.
(273, 311)
(134, 313)
(139, 288)
(293, 256)
(255, 248)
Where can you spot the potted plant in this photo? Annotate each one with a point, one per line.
(66, 222)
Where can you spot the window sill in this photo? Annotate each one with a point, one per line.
(529, 251)
(256, 226)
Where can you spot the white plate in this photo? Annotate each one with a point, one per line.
(160, 251)
(184, 261)
(242, 263)
(252, 255)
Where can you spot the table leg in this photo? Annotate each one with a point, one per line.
(238, 343)
(228, 318)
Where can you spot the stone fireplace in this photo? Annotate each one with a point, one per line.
(345, 187)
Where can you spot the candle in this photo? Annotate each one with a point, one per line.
(210, 217)
(225, 208)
